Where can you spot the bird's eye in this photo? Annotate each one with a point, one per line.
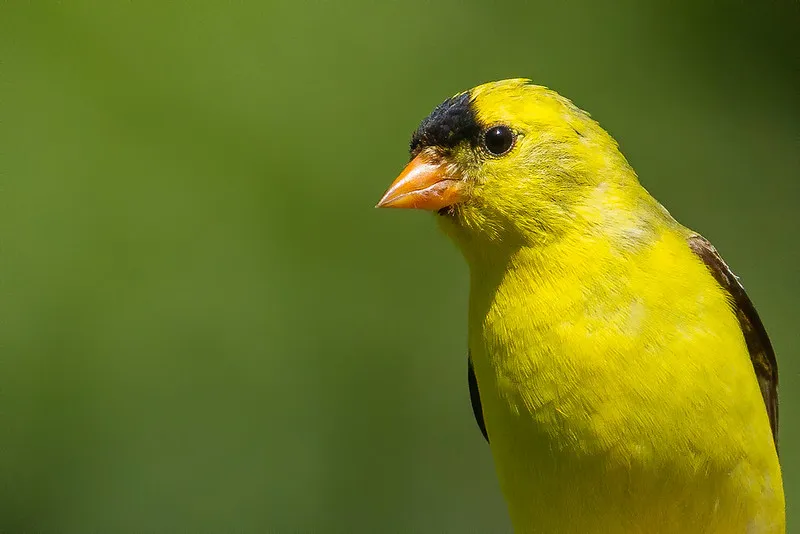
(498, 140)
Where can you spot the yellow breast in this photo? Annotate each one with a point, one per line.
(618, 393)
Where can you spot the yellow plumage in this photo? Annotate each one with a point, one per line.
(616, 384)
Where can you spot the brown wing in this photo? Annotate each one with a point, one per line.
(761, 353)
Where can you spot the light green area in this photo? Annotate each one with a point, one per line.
(205, 325)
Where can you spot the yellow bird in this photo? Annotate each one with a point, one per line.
(617, 368)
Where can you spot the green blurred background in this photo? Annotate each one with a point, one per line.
(205, 325)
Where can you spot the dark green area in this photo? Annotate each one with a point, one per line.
(205, 325)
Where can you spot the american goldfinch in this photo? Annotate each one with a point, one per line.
(616, 366)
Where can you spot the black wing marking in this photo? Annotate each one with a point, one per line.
(758, 345)
(475, 397)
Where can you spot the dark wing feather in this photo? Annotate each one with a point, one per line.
(761, 353)
(475, 397)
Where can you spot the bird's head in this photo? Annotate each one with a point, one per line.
(507, 163)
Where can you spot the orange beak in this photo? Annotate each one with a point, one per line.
(422, 185)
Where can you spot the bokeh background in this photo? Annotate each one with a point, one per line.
(206, 327)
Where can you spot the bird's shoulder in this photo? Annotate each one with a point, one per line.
(762, 355)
